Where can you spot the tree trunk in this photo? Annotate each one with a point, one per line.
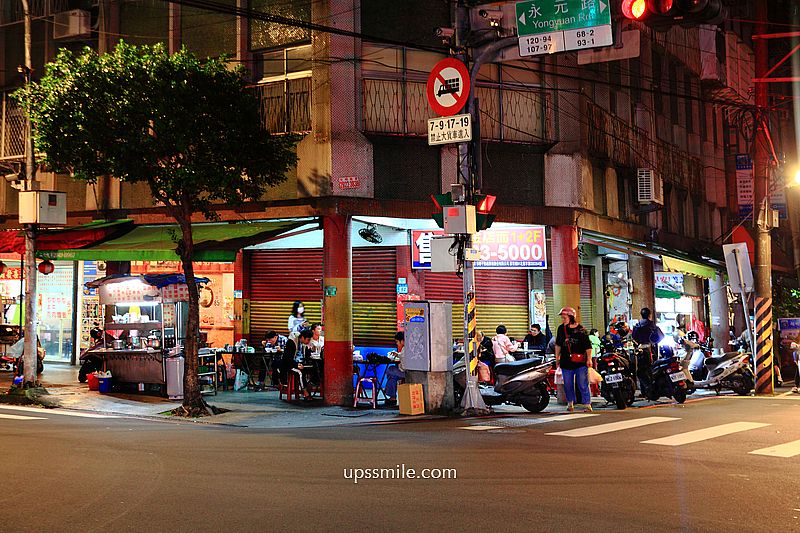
(192, 398)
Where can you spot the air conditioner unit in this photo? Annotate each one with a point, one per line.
(650, 188)
(75, 24)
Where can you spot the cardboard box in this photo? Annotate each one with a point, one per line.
(410, 399)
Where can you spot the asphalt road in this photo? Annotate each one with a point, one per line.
(68, 473)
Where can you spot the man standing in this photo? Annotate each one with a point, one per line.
(646, 331)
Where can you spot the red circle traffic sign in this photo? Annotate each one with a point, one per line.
(448, 86)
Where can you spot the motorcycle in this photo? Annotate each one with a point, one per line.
(522, 382)
(617, 386)
(728, 371)
(662, 377)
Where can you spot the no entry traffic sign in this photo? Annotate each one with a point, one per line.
(448, 86)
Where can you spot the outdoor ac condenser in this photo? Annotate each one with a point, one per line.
(73, 24)
(649, 186)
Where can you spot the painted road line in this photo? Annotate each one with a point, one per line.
(790, 449)
(21, 417)
(482, 428)
(614, 426)
(525, 422)
(62, 412)
(569, 416)
(704, 434)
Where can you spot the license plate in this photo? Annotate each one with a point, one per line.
(678, 376)
(613, 378)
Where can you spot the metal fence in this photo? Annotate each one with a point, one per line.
(285, 106)
(12, 129)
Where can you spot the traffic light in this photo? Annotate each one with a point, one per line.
(662, 14)
(483, 207)
(440, 201)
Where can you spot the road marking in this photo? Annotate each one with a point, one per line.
(570, 416)
(482, 428)
(20, 417)
(790, 449)
(62, 412)
(704, 434)
(614, 426)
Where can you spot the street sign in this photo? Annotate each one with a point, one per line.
(550, 26)
(737, 263)
(444, 130)
(448, 86)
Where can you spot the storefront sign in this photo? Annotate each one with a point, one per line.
(12, 273)
(507, 248)
(790, 330)
(669, 281)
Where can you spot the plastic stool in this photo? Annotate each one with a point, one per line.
(290, 388)
(361, 392)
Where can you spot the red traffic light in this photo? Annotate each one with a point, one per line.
(634, 9)
(486, 204)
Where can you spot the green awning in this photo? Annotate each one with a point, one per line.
(664, 293)
(688, 267)
(212, 242)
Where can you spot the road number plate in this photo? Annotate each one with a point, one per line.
(677, 376)
(613, 378)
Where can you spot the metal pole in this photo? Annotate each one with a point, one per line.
(30, 352)
(743, 295)
(763, 346)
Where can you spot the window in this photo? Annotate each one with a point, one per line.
(689, 102)
(268, 35)
(284, 90)
(209, 34)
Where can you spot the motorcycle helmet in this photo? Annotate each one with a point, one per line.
(693, 336)
(666, 351)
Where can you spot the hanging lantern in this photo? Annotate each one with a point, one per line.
(46, 267)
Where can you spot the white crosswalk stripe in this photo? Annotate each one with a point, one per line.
(789, 449)
(705, 434)
(614, 426)
(21, 417)
(62, 412)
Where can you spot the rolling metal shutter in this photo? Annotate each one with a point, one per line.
(374, 296)
(502, 298)
(279, 277)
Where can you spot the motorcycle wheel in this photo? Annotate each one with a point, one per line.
(458, 394)
(680, 395)
(536, 404)
(741, 384)
(619, 399)
(630, 395)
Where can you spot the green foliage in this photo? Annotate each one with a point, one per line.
(188, 128)
(786, 302)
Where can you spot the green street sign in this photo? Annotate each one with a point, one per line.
(546, 16)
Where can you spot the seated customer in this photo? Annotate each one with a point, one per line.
(272, 343)
(503, 346)
(485, 349)
(394, 373)
(294, 361)
(535, 338)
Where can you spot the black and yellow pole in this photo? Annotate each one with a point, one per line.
(763, 355)
(472, 333)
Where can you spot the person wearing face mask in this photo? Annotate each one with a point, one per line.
(297, 318)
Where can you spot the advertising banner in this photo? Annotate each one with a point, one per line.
(522, 247)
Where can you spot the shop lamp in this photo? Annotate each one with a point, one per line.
(46, 267)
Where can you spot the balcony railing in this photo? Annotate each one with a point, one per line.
(611, 137)
(285, 106)
(12, 128)
(400, 107)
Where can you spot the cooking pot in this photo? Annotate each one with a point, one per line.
(154, 342)
(119, 344)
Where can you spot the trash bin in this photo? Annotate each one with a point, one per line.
(93, 381)
(175, 366)
(104, 385)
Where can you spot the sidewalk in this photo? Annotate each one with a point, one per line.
(265, 411)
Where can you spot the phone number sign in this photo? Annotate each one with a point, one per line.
(524, 247)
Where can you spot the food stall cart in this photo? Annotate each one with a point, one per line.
(148, 321)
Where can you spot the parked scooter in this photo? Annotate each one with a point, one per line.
(618, 386)
(521, 382)
(662, 377)
(728, 371)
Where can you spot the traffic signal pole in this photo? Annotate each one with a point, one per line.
(762, 208)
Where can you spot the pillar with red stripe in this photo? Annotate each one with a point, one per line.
(566, 270)
(338, 305)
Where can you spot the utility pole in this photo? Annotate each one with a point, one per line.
(761, 167)
(472, 401)
(30, 344)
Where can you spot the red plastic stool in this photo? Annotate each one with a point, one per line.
(289, 388)
(362, 395)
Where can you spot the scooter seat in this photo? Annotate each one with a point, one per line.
(710, 361)
(515, 367)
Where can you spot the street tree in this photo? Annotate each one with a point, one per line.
(186, 127)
